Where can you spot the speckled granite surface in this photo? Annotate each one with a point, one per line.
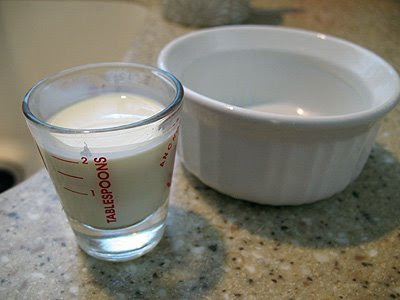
(215, 247)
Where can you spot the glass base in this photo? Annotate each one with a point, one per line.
(122, 244)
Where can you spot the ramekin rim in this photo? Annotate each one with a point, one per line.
(343, 120)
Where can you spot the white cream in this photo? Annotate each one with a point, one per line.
(121, 185)
(107, 110)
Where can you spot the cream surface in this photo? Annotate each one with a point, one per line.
(107, 110)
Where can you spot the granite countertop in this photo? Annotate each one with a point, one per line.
(216, 247)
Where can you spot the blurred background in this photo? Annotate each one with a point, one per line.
(40, 37)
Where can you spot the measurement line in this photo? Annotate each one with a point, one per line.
(65, 160)
(69, 175)
(85, 194)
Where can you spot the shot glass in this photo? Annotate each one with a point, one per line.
(113, 177)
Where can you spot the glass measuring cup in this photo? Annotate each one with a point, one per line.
(113, 182)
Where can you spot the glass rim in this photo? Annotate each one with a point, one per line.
(174, 105)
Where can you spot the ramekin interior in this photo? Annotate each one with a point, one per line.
(289, 50)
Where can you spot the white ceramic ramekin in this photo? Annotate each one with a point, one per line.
(336, 92)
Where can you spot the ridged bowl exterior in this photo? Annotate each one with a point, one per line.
(271, 166)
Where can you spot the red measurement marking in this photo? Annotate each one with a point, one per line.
(85, 194)
(69, 175)
(64, 160)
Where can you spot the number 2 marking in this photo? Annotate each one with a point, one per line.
(84, 160)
